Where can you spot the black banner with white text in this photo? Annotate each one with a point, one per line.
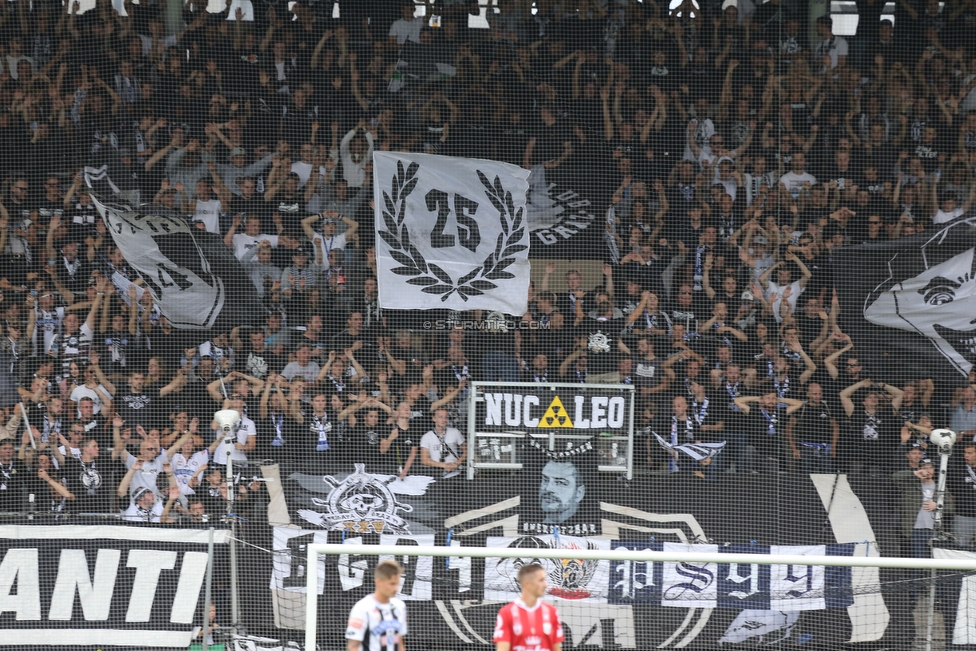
(98, 586)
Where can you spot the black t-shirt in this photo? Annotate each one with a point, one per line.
(872, 435)
(279, 437)
(962, 483)
(648, 373)
(509, 142)
(601, 344)
(812, 424)
(707, 412)
(12, 478)
(139, 409)
(676, 430)
(408, 438)
(90, 484)
(766, 430)
(549, 143)
(292, 211)
(362, 445)
(97, 428)
(253, 206)
(497, 341)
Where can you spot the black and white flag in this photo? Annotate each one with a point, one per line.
(194, 279)
(697, 451)
(451, 233)
(913, 298)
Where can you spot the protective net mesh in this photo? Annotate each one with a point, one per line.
(552, 273)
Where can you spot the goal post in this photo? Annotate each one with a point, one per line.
(314, 551)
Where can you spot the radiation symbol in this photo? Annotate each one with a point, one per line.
(555, 416)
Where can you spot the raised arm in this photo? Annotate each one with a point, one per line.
(830, 362)
(123, 488)
(94, 359)
(845, 395)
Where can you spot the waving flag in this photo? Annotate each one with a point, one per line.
(196, 281)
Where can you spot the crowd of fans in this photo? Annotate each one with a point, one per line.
(732, 153)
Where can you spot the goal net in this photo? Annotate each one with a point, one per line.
(646, 595)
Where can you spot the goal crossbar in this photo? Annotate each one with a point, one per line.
(314, 550)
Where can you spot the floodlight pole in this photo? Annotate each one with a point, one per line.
(944, 439)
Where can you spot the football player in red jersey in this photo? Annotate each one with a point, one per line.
(528, 623)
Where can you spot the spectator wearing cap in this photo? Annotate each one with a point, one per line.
(330, 239)
(144, 507)
(302, 274)
(914, 454)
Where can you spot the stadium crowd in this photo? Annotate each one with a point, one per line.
(732, 151)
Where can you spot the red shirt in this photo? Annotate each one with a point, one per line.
(529, 629)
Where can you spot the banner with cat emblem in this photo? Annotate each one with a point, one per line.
(912, 298)
(450, 233)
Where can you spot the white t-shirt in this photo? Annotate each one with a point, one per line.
(406, 30)
(941, 217)
(82, 391)
(75, 452)
(208, 212)
(184, 468)
(444, 450)
(307, 373)
(794, 182)
(304, 170)
(795, 291)
(244, 243)
(146, 477)
(377, 625)
(148, 42)
(245, 429)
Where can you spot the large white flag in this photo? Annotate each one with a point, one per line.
(450, 233)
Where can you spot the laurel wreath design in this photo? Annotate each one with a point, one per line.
(431, 277)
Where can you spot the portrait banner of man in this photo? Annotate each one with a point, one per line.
(913, 298)
(554, 494)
